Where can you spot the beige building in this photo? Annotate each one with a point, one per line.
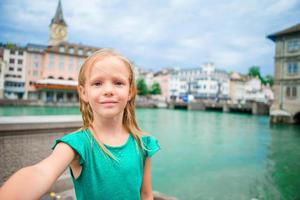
(286, 106)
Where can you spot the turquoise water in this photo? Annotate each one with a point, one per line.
(215, 155)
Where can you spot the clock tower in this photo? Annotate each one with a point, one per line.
(58, 31)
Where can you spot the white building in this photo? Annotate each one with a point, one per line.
(2, 71)
(244, 88)
(206, 82)
(14, 75)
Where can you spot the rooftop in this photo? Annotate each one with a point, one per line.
(289, 31)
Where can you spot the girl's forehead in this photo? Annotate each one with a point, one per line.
(109, 66)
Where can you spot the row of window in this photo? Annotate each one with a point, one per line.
(60, 78)
(12, 76)
(72, 51)
(291, 92)
(12, 69)
(12, 61)
(13, 84)
(19, 52)
(61, 62)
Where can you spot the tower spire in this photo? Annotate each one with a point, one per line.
(58, 17)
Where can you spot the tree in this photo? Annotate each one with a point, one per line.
(269, 80)
(142, 87)
(155, 88)
(254, 71)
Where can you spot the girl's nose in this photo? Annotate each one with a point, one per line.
(108, 89)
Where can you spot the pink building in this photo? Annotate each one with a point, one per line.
(163, 77)
(52, 70)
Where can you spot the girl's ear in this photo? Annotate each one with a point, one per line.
(82, 93)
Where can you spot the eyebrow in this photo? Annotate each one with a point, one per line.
(104, 77)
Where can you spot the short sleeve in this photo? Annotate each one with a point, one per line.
(76, 142)
(151, 144)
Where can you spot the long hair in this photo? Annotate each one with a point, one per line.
(129, 119)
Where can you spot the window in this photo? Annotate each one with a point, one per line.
(293, 45)
(294, 92)
(61, 62)
(36, 64)
(89, 53)
(80, 52)
(20, 61)
(71, 50)
(80, 62)
(61, 49)
(291, 91)
(20, 52)
(51, 60)
(292, 68)
(19, 69)
(71, 63)
(11, 69)
(11, 60)
(35, 73)
(12, 51)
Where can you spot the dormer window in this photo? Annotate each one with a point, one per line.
(80, 52)
(71, 50)
(61, 49)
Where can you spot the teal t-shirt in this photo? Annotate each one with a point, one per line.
(101, 177)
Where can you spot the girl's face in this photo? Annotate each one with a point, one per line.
(107, 87)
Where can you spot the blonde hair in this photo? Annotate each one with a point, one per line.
(129, 119)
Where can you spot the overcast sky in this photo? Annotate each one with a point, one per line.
(157, 34)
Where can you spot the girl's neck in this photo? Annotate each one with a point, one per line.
(108, 126)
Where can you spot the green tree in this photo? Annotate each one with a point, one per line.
(269, 79)
(142, 87)
(155, 88)
(254, 71)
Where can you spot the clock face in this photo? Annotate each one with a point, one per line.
(59, 32)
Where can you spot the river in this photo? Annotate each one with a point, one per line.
(214, 155)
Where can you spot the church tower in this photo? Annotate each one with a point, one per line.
(58, 31)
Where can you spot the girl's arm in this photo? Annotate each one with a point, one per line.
(34, 181)
(146, 191)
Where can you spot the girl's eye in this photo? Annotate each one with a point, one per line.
(97, 84)
(119, 83)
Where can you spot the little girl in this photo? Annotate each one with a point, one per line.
(109, 157)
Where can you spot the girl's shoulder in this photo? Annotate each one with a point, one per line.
(77, 140)
(76, 135)
(151, 144)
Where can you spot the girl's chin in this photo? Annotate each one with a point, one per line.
(109, 114)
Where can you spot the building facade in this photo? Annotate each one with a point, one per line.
(206, 82)
(46, 73)
(14, 72)
(287, 75)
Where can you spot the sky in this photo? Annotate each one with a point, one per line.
(156, 34)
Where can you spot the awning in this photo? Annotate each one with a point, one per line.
(280, 113)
